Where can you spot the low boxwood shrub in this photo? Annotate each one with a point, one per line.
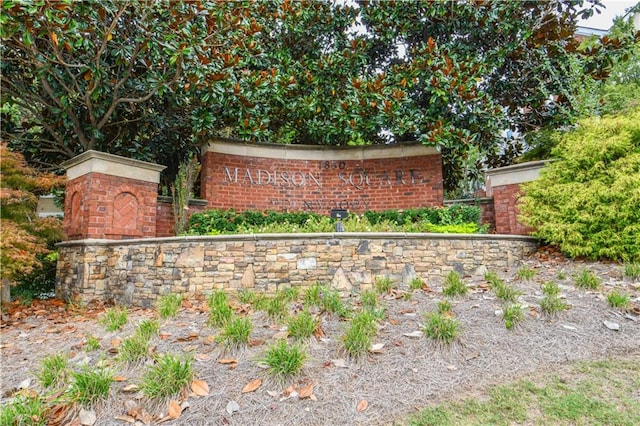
(453, 219)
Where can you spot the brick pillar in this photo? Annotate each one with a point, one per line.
(110, 197)
(503, 184)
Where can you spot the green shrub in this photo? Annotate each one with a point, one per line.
(632, 270)
(525, 273)
(587, 201)
(313, 295)
(456, 218)
(133, 349)
(416, 283)
(453, 285)
(505, 292)
(552, 304)
(147, 329)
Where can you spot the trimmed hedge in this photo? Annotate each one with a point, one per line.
(453, 219)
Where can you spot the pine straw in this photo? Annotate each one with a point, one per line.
(409, 373)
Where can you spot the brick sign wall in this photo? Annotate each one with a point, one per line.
(302, 178)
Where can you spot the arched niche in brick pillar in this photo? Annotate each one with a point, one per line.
(110, 197)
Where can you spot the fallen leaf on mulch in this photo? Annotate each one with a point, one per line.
(306, 392)
(416, 333)
(376, 348)
(252, 386)
(120, 379)
(281, 335)
(227, 361)
(174, 410)
(87, 417)
(200, 387)
(394, 321)
(362, 405)
(255, 342)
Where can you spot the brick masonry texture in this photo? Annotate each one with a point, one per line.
(505, 199)
(137, 272)
(104, 206)
(259, 183)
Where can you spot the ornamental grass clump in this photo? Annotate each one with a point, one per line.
(586, 279)
(551, 302)
(618, 300)
(219, 310)
(169, 375)
(54, 370)
(302, 325)
(283, 359)
(384, 285)
(453, 285)
(114, 318)
(360, 333)
(236, 332)
(512, 315)
(169, 305)
(90, 385)
(441, 327)
(25, 410)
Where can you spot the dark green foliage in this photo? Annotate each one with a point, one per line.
(588, 202)
(231, 222)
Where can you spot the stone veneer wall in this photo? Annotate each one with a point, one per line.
(137, 272)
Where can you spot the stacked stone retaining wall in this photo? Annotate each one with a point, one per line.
(137, 272)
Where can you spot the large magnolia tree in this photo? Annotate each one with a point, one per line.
(153, 79)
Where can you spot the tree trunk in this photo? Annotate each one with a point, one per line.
(5, 291)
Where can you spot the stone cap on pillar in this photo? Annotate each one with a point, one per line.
(114, 165)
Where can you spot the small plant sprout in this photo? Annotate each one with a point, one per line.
(313, 295)
(587, 280)
(492, 278)
(551, 302)
(133, 349)
(525, 273)
(169, 305)
(618, 300)
(90, 384)
(291, 294)
(147, 329)
(219, 310)
(444, 306)
(369, 300)
(245, 296)
(453, 285)
(332, 303)
(506, 293)
(416, 283)
(550, 288)
(92, 343)
(54, 370)
(384, 285)
(512, 314)
(25, 410)
(169, 375)
(561, 275)
(276, 307)
(284, 359)
(302, 325)
(236, 332)
(114, 318)
(632, 270)
(441, 327)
